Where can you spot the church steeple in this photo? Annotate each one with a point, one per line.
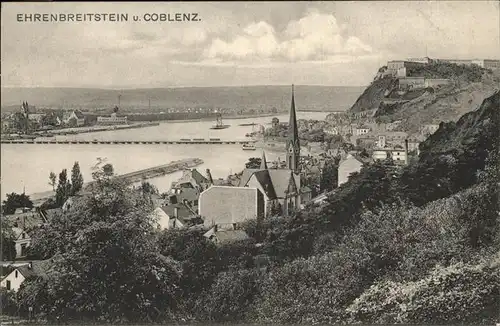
(292, 143)
(263, 163)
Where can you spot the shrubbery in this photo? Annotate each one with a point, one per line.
(469, 73)
(230, 296)
(369, 254)
(460, 293)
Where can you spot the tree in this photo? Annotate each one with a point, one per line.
(148, 189)
(275, 122)
(53, 180)
(49, 119)
(253, 163)
(108, 267)
(7, 242)
(63, 190)
(329, 177)
(197, 256)
(76, 179)
(15, 201)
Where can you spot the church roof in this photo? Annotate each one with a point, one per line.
(293, 130)
(246, 175)
(263, 163)
(274, 181)
(264, 179)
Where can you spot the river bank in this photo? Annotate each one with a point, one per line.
(237, 117)
(134, 176)
(83, 130)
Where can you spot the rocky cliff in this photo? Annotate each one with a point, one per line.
(467, 88)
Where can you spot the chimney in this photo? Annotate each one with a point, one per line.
(30, 265)
(176, 211)
(24, 222)
(215, 228)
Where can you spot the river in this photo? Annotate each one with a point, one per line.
(27, 166)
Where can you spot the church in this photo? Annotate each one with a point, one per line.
(260, 192)
(281, 187)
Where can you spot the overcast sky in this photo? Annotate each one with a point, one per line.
(315, 43)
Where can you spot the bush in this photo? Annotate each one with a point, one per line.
(230, 296)
(8, 302)
(314, 290)
(456, 294)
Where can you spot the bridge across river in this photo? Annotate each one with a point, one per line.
(127, 142)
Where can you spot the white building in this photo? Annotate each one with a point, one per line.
(22, 242)
(21, 272)
(362, 130)
(229, 206)
(76, 116)
(112, 120)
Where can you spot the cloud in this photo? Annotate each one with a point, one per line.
(316, 36)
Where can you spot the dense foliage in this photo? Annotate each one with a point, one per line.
(15, 201)
(469, 73)
(392, 245)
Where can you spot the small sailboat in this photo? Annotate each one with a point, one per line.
(248, 147)
(219, 124)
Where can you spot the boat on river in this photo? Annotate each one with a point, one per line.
(219, 124)
(248, 147)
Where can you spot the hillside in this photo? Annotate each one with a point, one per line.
(328, 98)
(472, 129)
(418, 246)
(468, 88)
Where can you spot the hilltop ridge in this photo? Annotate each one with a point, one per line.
(328, 98)
(427, 94)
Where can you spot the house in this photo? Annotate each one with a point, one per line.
(21, 272)
(22, 241)
(181, 195)
(36, 117)
(399, 67)
(221, 237)
(76, 116)
(279, 186)
(227, 206)
(398, 153)
(362, 130)
(351, 164)
(174, 216)
(424, 60)
(389, 136)
(192, 179)
(22, 222)
(331, 131)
